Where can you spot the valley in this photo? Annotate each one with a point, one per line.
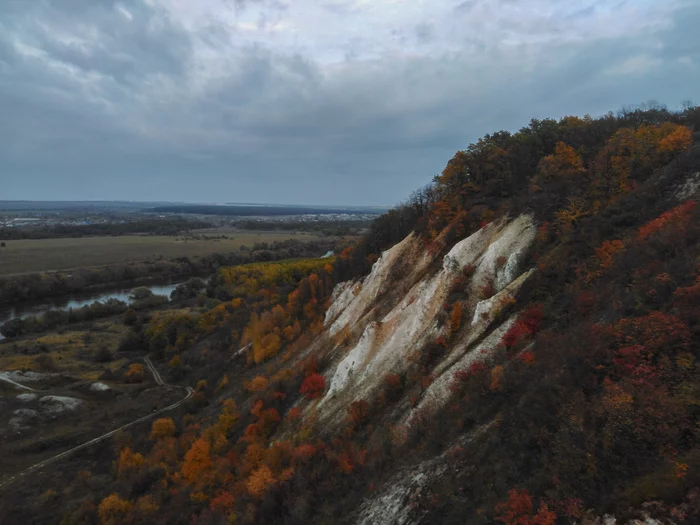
(62, 254)
(515, 344)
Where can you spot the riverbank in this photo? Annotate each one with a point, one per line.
(41, 286)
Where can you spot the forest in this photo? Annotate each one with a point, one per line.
(170, 226)
(41, 285)
(588, 405)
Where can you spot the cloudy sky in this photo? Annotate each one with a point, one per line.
(308, 101)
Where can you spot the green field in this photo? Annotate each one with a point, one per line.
(42, 255)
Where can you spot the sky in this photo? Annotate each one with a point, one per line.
(342, 102)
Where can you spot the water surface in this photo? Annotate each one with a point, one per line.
(76, 301)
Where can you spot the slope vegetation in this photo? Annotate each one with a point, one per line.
(515, 344)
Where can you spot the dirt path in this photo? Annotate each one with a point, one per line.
(15, 384)
(158, 380)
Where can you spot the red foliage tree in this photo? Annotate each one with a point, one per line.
(313, 386)
(675, 220)
(526, 326)
(517, 510)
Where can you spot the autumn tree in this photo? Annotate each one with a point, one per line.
(162, 427)
(564, 163)
(259, 480)
(197, 461)
(518, 510)
(129, 463)
(114, 510)
(135, 373)
(312, 386)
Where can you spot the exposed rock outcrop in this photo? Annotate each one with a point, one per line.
(383, 342)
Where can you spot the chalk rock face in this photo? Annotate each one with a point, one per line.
(384, 342)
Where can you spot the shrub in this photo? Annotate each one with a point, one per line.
(103, 355)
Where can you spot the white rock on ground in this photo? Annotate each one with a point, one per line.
(25, 413)
(26, 376)
(27, 397)
(58, 404)
(99, 387)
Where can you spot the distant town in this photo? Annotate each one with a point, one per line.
(47, 215)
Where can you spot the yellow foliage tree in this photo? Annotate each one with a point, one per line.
(678, 140)
(114, 510)
(163, 427)
(129, 462)
(258, 384)
(135, 373)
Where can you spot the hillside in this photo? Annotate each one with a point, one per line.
(515, 344)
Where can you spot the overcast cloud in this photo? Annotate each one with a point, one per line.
(308, 101)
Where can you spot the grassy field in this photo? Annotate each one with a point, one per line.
(40, 255)
(71, 351)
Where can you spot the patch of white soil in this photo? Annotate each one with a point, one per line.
(501, 261)
(355, 300)
(690, 187)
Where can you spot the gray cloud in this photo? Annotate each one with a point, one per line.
(255, 101)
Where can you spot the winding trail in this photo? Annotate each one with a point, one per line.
(158, 380)
(15, 384)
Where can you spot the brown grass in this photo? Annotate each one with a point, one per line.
(40, 255)
(65, 350)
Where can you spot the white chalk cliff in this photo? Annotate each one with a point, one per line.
(395, 311)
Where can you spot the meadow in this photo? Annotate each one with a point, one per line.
(46, 255)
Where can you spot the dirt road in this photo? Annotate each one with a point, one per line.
(158, 380)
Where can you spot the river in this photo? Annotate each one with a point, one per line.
(76, 301)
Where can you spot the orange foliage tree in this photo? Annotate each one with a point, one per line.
(259, 480)
(197, 461)
(564, 162)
